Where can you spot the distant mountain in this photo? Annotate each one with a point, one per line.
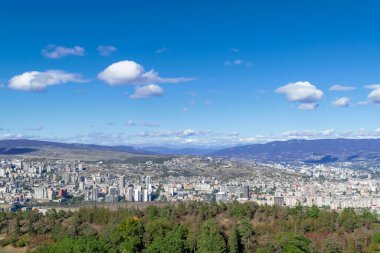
(179, 151)
(34, 148)
(311, 151)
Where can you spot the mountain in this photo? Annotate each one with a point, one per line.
(179, 151)
(34, 148)
(311, 151)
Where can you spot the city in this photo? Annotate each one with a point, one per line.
(32, 183)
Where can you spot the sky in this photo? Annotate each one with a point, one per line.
(189, 73)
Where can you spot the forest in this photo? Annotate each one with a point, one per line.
(194, 227)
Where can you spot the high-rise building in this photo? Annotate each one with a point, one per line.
(148, 184)
(41, 193)
(137, 195)
(145, 195)
(122, 183)
(129, 194)
(95, 194)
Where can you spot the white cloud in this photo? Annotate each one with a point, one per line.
(342, 102)
(307, 106)
(39, 81)
(374, 96)
(131, 123)
(38, 128)
(56, 52)
(362, 103)
(161, 50)
(305, 134)
(150, 124)
(238, 62)
(180, 133)
(106, 50)
(341, 88)
(235, 50)
(130, 72)
(372, 86)
(10, 136)
(303, 92)
(151, 90)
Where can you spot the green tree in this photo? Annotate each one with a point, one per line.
(246, 234)
(233, 241)
(210, 239)
(173, 242)
(292, 243)
(132, 231)
(313, 212)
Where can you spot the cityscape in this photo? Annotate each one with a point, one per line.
(44, 183)
(173, 126)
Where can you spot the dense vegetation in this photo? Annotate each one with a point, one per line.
(194, 227)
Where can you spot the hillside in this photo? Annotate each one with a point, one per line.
(318, 151)
(45, 149)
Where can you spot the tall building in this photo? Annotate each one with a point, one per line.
(122, 183)
(145, 195)
(95, 194)
(137, 195)
(148, 184)
(129, 194)
(41, 193)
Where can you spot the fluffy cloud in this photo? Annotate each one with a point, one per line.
(342, 102)
(39, 81)
(302, 92)
(130, 72)
(161, 50)
(38, 128)
(150, 124)
(131, 123)
(296, 134)
(238, 62)
(56, 52)
(341, 88)
(307, 106)
(106, 50)
(374, 96)
(373, 86)
(179, 134)
(151, 90)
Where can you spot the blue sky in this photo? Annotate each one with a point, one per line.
(225, 72)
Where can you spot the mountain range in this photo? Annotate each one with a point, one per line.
(309, 151)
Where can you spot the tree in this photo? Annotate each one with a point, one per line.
(233, 241)
(132, 231)
(348, 219)
(173, 242)
(292, 243)
(246, 233)
(313, 212)
(210, 239)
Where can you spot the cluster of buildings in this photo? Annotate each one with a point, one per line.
(48, 182)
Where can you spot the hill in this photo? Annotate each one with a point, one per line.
(46, 149)
(312, 151)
